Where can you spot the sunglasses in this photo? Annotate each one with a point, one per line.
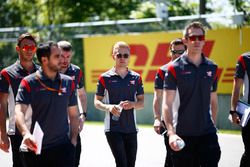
(178, 52)
(195, 37)
(125, 56)
(26, 48)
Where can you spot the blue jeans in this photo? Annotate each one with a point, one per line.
(123, 147)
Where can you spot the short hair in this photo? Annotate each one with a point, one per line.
(196, 25)
(177, 41)
(65, 45)
(25, 36)
(44, 50)
(120, 44)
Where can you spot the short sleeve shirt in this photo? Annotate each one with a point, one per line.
(159, 77)
(10, 78)
(76, 75)
(243, 72)
(49, 105)
(115, 89)
(195, 85)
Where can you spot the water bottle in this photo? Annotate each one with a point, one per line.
(116, 118)
(180, 143)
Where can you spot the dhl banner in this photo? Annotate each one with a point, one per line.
(149, 51)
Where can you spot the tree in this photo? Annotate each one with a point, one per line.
(242, 6)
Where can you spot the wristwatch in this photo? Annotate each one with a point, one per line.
(84, 114)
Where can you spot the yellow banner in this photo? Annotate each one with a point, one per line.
(149, 51)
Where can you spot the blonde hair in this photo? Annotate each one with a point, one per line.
(120, 44)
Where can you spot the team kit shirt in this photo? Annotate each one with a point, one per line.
(159, 82)
(49, 101)
(195, 85)
(243, 72)
(76, 75)
(115, 89)
(10, 78)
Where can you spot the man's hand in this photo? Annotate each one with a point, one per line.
(114, 110)
(234, 118)
(30, 142)
(157, 125)
(4, 142)
(126, 105)
(172, 142)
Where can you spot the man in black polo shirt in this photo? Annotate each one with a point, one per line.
(76, 74)
(195, 76)
(10, 79)
(119, 93)
(51, 98)
(241, 77)
(176, 49)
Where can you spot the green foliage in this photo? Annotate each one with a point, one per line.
(242, 6)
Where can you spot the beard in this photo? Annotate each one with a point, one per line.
(53, 67)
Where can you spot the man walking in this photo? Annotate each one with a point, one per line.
(10, 79)
(77, 76)
(49, 99)
(195, 76)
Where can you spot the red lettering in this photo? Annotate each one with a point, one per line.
(208, 48)
(141, 52)
(161, 55)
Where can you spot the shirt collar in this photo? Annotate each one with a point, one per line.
(43, 77)
(185, 58)
(20, 67)
(113, 73)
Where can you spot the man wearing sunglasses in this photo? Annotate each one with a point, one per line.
(120, 93)
(196, 77)
(10, 79)
(76, 74)
(176, 49)
(52, 99)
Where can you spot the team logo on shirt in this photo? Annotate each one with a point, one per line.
(64, 90)
(132, 82)
(73, 78)
(209, 73)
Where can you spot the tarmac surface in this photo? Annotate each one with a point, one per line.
(151, 149)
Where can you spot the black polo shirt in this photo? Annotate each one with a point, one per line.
(76, 75)
(243, 72)
(10, 78)
(49, 108)
(159, 77)
(195, 85)
(115, 89)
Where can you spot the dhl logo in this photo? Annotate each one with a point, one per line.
(141, 54)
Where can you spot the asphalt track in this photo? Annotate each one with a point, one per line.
(151, 149)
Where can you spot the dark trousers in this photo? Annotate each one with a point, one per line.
(168, 159)
(199, 151)
(58, 156)
(123, 147)
(78, 151)
(245, 159)
(16, 141)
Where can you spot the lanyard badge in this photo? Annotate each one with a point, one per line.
(59, 91)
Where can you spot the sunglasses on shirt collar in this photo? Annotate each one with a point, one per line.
(180, 52)
(125, 56)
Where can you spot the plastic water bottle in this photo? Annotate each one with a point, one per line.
(180, 143)
(116, 118)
